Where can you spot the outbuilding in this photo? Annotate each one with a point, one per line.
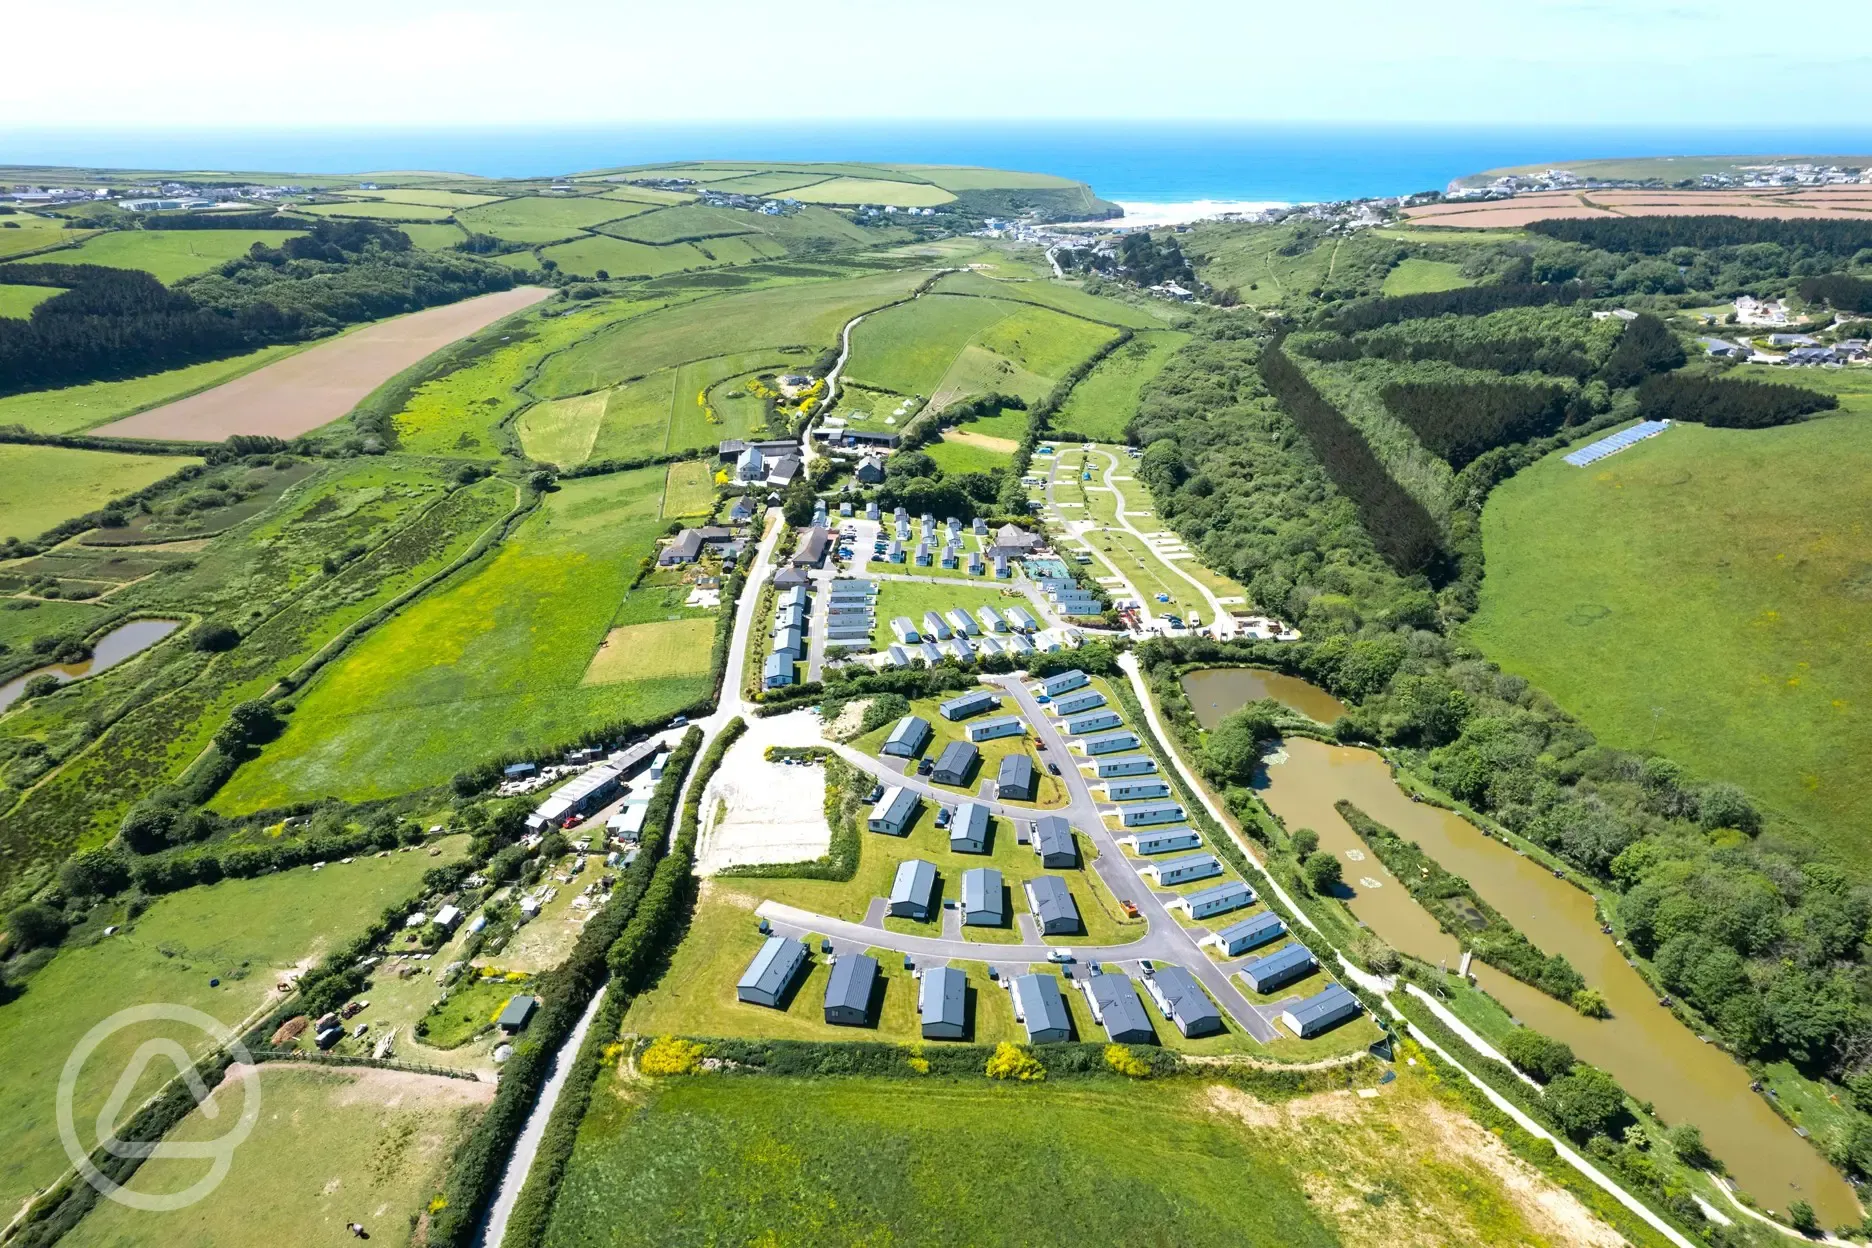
(1116, 1007)
(942, 1003)
(913, 892)
(771, 974)
(957, 764)
(849, 988)
(1052, 905)
(1283, 966)
(1041, 1007)
(982, 902)
(1322, 1011)
(1183, 1001)
(1053, 841)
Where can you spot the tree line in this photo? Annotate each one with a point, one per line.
(1460, 420)
(1838, 291)
(1494, 355)
(1728, 403)
(1367, 314)
(1657, 235)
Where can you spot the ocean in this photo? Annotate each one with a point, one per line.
(1148, 162)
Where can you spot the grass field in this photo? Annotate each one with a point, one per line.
(434, 237)
(1136, 313)
(669, 410)
(1416, 277)
(1103, 404)
(846, 1161)
(19, 301)
(568, 216)
(959, 452)
(873, 191)
(377, 211)
(22, 231)
(688, 490)
(45, 485)
(332, 1146)
(245, 932)
(1705, 594)
(169, 254)
(74, 408)
(496, 660)
(623, 258)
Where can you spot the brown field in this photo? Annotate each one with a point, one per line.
(317, 386)
(1817, 203)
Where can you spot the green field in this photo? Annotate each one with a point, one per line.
(74, 408)
(438, 236)
(1136, 312)
(1417, 277)
(170, 255)
(1705, 594)
(244, 932)
(955, 453)
(493, 661)
(21, 231)
(674, 409)
(382, 1142)
(1102, 405)
(567, 216)
(19, 301)
(373, 210)
(46, 485)
(689, 490)
(946, 346)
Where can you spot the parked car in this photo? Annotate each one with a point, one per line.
(926, 766)
(1054, 768)
(1061, 956)
(942, 817)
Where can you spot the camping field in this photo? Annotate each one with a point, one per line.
(1102, 405)
(47, 485)
(168, 254)
(492, 661)
(1706, 594)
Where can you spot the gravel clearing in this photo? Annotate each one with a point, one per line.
(757, 812)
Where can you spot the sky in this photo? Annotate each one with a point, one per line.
(132, 64)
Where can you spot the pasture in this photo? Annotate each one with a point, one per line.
(1704, 594)
(948, 346)
(688, 490)
(907, 349)
(568, 216)
(967, 451)
(169, 255)
(19, 301)
(1415, 276)
(376, 210)
(22, 231)
(1102, 405)
(438, 236)
(873, 191)
(494, 660)
(243, 932)
(1135, 312)
(47, 485)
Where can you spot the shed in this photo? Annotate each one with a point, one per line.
(1322, 1011)
(1042, 1008)
(956, 764)
(1014, 782)
(909, 737)
(768, 977)
(1116, 1006)
(848, 990)
(982, 902)
(1052, 905)
(1183, 1001)
(968, 830)
(913, 892)
(943, 1003)
(1283, 966)
(1053, 841)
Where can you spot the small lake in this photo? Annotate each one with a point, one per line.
(122, 642)
(1216, 691)
(1642, 1045)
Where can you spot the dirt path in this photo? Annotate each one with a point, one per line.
(318, 385)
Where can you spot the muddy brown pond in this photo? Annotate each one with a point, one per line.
(1642, 1045)
(123, 642)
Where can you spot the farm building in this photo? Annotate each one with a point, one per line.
(894, 811)
(933, 626)
(578, 796)
(982, 904)
(1064, 682)
(1283, 966)
(1021, 621)
(1183, 870)
(1125, 765)
(1116, 1007)
(768, 977)
(1015, 780)
(518, 1013)
(1110, 743)
(943, 1003)
(1052, 905)
(913, 891)
(1135, 790)
(1079, 700)
(627, 823)
(906, 631)
(957, 763)
(848, 990)
(1144, 816)
(1250, 933)
(1217, 899)
(1041, 1006)
(1053, 841)
(777, 673)
(968, 830)
(909, 737)
(1094, 721)
(999, 726)
(1183, 1001)
(1162, 841)
(974, 702)
(1322, 1011)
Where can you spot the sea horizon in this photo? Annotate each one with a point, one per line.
(1156, 163)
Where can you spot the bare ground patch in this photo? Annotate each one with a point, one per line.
(986, 441)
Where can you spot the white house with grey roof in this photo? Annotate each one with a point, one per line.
(909, 737)
(768, 977)
(1092, 721)
(1109, 743)
(1245, 934)
(1280, 968)
(1063, 682)
(1162, 841)
(974, 702)
(997, 727)
(1125, 765)
(1077, 701)
(1324, 1010)
(1145, 815)
(1135, 790)
(1217, 899)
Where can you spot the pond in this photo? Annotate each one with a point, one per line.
(1654, 1056)
(122, 642)
(1216, 691)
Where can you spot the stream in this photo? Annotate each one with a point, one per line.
(1642, 1045)
(123, 642)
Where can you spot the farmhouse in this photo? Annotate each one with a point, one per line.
(1125, 765)
(1053, 841)
(974, 702)
(1249, 933)
(968, 830)
(1116, 1007)
(1000, 726)
(943, 1003)
(1282, 967)
(1143, 816)
(1041, 1006)
(982, 903)
(909, 737)
(768, 977)
(848, 990)
(1322, 1011)
(1135, 790)
(957, 764)
(1110, 743)
(1183, 870)
(1183, 1001)
(1064, 682)
(1079, 700)
(870, 471)
(913, 891)
(1217, 899)
(1162, 841)
(1052, 905)
(894, 811)
(1015, 780)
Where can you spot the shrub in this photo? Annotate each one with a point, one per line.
(35, 926)
(1687, 1141)
(1013, 1061)
(1322, 872)
(1801, 1214)
(39, 686)
(1540, 1056)
(1127, 1063)
(1592, 1003)
(671, 1055)
(212, 637)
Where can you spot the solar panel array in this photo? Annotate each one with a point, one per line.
(1617, 442)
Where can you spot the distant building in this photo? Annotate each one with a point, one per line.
(942, 1003)
(1116, 1007)
(769, 976)
(1322, 1011)
(968, 829)
(1053, 842)
(913, 891)
(1041, 1007)
(982, 902)
(1052, 906)
(1183, 1001)
(849, 989)
(1015, 780)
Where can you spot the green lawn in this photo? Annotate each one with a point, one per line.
(1417, 277)
(1137, 312)
(332, 1146)
(689, 490)
(244, 932)
(493, 661)
(169, 254)
(41, 486)
(1102, 405)
(954, 454)
(435, 237)
(1705, 594)
(19, 301)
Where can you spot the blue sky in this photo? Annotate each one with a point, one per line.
(426, 62)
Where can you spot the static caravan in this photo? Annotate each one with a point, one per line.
(1053, 841)
(1116, 1007)
(975, 702)
(909, 737)
(999, 726)
(991, 621)
(1125, 765)
(1015, 780)
(768, 977)
(1110, 743)
(982, 901)
(913, 891)
(1041, 1007)
(1322, 1011)
(942, 1003)
(933, 626)
(1096, 721)
(1064, 682)
(894, 812)
(963, 623)
(848, 991)
(1144, 816)
(1183, 1001)
(1250, 933)
(905, 630)
(1183, 870)
(1079, 700)
(956, 764)
(1218, 899)
(1135, 790)
(1280, 968)
(1052, 906)
(1021, 621)
(1162, 841)
(968, 829)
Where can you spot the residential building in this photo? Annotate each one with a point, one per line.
(999, 726)
(906, 630)
(1021, 621)
(991, 621)
(956, 764)
(751, 466)
(1110, 743)
(1094, 721)
(930, 653)
(963, 623)
(1162, 841)
(968, 829)
(923, 558)
(1052, 906)
(778, 671)
(909, 737)
(1053, 841)
(1183, 1001)
(913, 891)
(1135, 790)
(1277, 969)
(894, 812)
(1063, 682)
(1144, 815)
(975, 702)
(1041, 1007)
(1019, 645)
(933, 626)
(1249, 933)
(1115, 1006)
(870, 471)
(1125, 765)
(1015, 780)
(811, 551)
(1183, 870)
(959, 646)
(849, 988)
(1079, 700)
(898, 656)
(942, 1003)
(975, 565)
(1322, 1011)
(791, 642)
(1013, 542)
(988, 645)
(982, 902)
(1217, 899)
(771, 974)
